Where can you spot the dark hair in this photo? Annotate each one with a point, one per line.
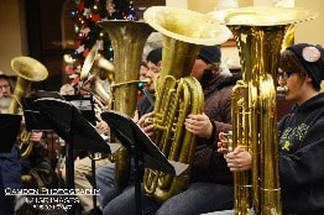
(305, 58)
(290, 62)
(155, 56)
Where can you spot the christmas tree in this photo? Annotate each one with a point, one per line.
(86, 16)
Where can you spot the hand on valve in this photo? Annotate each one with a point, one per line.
(238, 159)
(146, 124)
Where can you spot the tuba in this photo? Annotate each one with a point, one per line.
(259, 38)
(127, 39)
(177, 94)
(28, 70)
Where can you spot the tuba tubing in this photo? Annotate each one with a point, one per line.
(127, 39)
(177, 93)
(259, 39)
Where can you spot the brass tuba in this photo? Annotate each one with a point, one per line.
(127, 39)
(178, 94)
(259, 37)
(28, 70)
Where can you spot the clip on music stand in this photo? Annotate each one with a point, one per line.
(9, 128)
(140, 146)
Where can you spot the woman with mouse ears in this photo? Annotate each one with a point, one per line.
(301, 136)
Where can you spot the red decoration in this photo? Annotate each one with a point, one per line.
(85, 52)
(95, 17)
(81, 6)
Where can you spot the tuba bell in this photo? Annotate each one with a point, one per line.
(28, 70)
(178, 93)
(259, 37)
(127, 39)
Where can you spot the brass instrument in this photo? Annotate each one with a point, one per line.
(178, 94)
(28, 70)
(127, 39)
(91, 72)
(259, 37)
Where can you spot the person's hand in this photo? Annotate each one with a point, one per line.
(238, 160)
(223, 144)
(145, 122)
(102, 127)
(199, 124)
(36, 136)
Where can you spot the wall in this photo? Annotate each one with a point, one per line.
(12, 31)
(312, 31)
(306, 32)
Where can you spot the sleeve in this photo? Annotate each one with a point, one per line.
(225, 114)
(306, 165)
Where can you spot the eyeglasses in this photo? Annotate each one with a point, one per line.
(284, 75)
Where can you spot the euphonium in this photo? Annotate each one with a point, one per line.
(178, 94)
(28, 70)
(127, 39)
(91, 72)
(259, 38)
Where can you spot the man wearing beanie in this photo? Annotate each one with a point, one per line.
(210, 186)
(301, 137)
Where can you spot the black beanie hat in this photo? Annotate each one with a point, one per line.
(311, 57)
(210, 54)
(155, 55)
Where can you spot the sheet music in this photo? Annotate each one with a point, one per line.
(178, 167)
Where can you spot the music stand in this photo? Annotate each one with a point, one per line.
(68, 122)
(85, 104)
(140, 146)
(9, 128)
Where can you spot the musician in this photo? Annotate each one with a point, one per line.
(5, 93)
(10, 167)
(106, 175)
(301, 138)
(210, 188)
(146, 103)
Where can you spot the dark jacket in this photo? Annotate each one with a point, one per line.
(301, 158)
(145, 103)
(209, 165)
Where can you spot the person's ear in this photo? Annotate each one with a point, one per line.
(159, 63)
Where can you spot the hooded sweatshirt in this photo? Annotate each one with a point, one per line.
(301, 161)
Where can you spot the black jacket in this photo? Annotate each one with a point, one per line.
(301, 161)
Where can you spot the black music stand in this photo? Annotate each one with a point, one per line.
(69, 123)
(9, 128)
(140, 147)
(85, 104)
